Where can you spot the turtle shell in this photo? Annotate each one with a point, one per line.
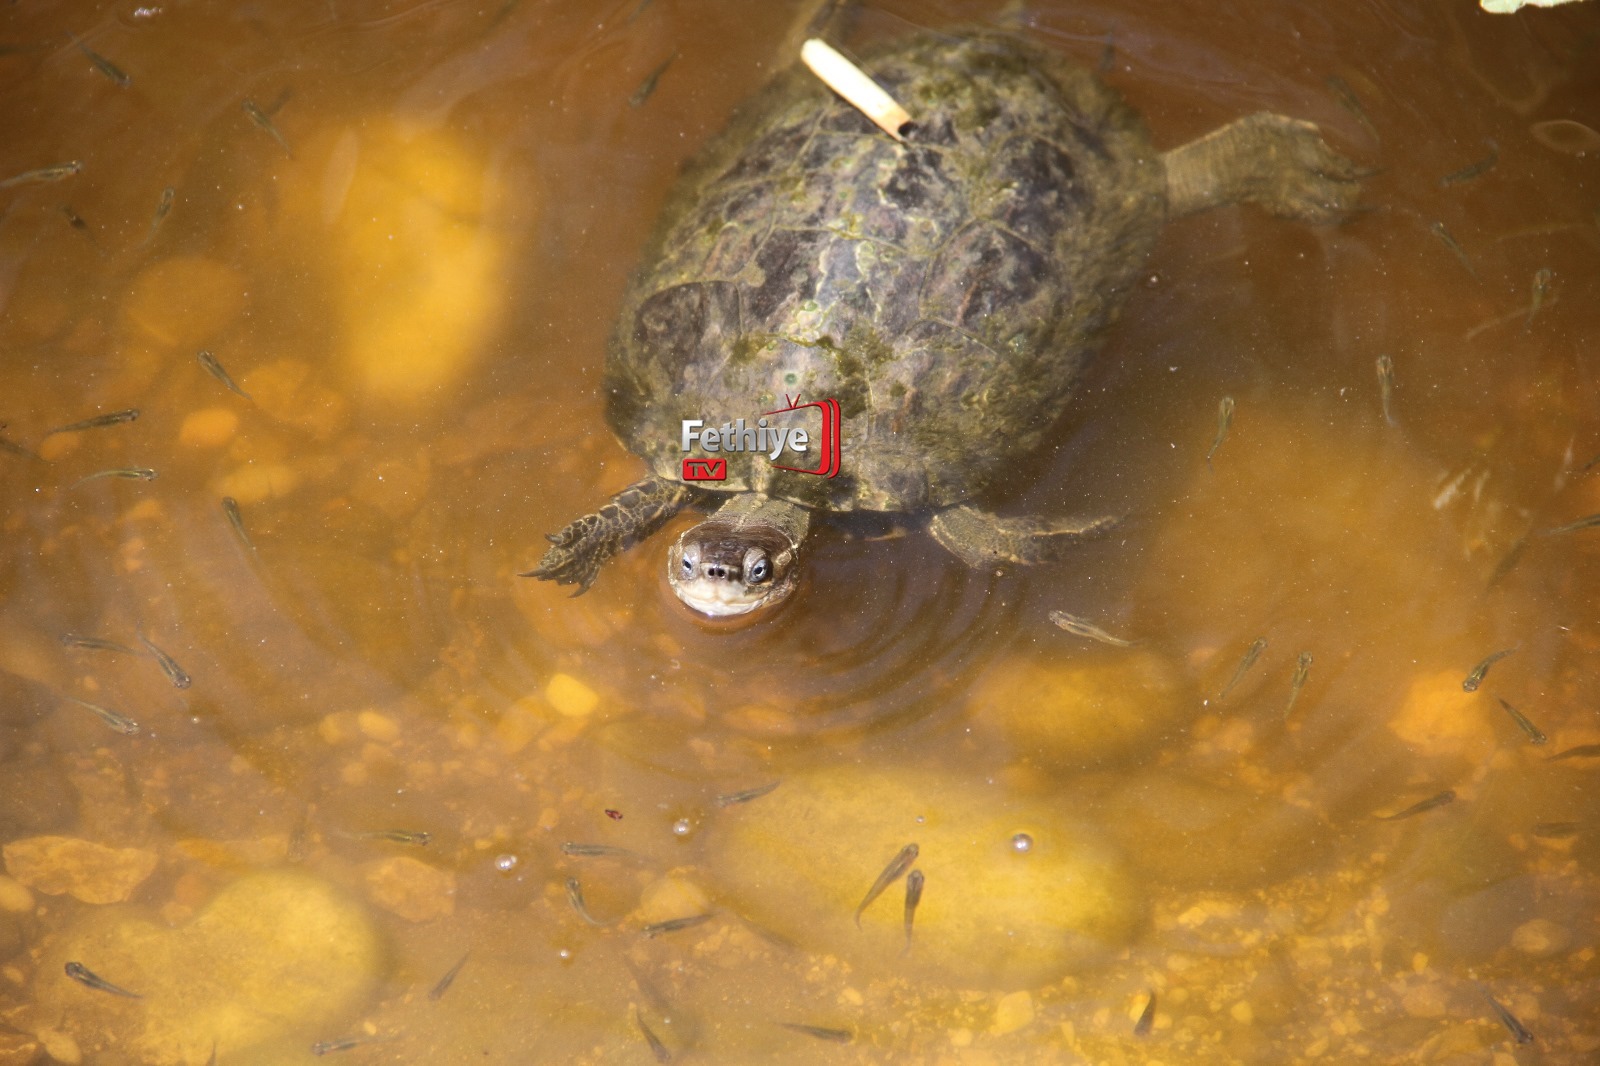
(946, 291)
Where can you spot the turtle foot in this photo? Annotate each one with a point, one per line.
(585, 544)
(981, 539)
(1281, 163)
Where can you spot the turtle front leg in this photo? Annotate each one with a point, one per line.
(981, 539)
(1281, 163)
(577, 552)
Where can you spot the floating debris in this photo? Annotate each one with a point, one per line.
(76, 221)
(1473, 170)
(1080, 627)
(1541, 288)
(437, 992)
(648, 86)
(657, 1048)
(1147, 1017)
(674, 925)
(1302, 670)
(1224, 421)
(168, 664)
(1438, 230)
(1348, 99)
(105, 66)
(84, 976)
(1511, 558)
(1535, 734)
(599, 851)
(820, 1032)
(259, 117)
(214, 368)
(43, 174)
(120, 722)
(1474, 679)
(1565, 135)
(127, 473)
(1431, 803)
(1518, 1031)
(1555, 830)
(344, 1043)
(115, 418)
(914, 881)
(734, 798)
(230, 507)
(891, 873)
(1385, 367)
(74, 640)
(858, 90)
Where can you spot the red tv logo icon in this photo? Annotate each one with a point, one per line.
(705, 469)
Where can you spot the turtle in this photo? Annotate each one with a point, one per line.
(936, 293)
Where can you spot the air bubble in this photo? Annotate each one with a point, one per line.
(505, 863)
(1022, 842)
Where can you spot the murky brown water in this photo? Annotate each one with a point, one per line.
(410, 258)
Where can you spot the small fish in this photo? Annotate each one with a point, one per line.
(412, 837)
(344, 1043)
(598, 850)
(1467, 173)
(120, 722)
(673, 925)
(1431, 803)
(214, 368)
(914, 881)
(1587, 522)
(115, 418)
(648, 86)
(1541, 289)
(56, 173)
(1385, 367)
(1081, 628)
(1582, 751)
(1508, 561)
(821, 1032)
(230, 507)
(168, 664)
(84, 976)
(891, 873)
(105, 66)
(1474, 679)
(437, 992)
(19, 451)
(734, 798)
(1147, 1017)
(259, 117)
(74, 640)
(1518, 1031)
(1224, 420)
(657, 1048)
(1535, 734)
(127, 473)
(75, 220)
(1302, 670)
(165, 205)
(1555, 830)
(575, 897)
(1438, 230)
(1251, 654)
(1352, 104)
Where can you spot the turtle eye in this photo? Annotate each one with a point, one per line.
(688, 566)
(759, 571)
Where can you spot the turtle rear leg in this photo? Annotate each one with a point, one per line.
(577, 552)
(981, 539)
(1281, 163)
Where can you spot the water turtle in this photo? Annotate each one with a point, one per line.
(945, 291)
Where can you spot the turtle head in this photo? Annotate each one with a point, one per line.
(724, 568)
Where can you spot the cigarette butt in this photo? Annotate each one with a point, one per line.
(858, 90)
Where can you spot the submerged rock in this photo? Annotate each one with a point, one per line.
(93, 873)
(273, 959)
(1015, 892)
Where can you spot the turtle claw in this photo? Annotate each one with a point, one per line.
(580, 548)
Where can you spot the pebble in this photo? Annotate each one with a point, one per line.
(14, 896)
(1540, 937)
(82, 869)
(570, 697)
(411, 888)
